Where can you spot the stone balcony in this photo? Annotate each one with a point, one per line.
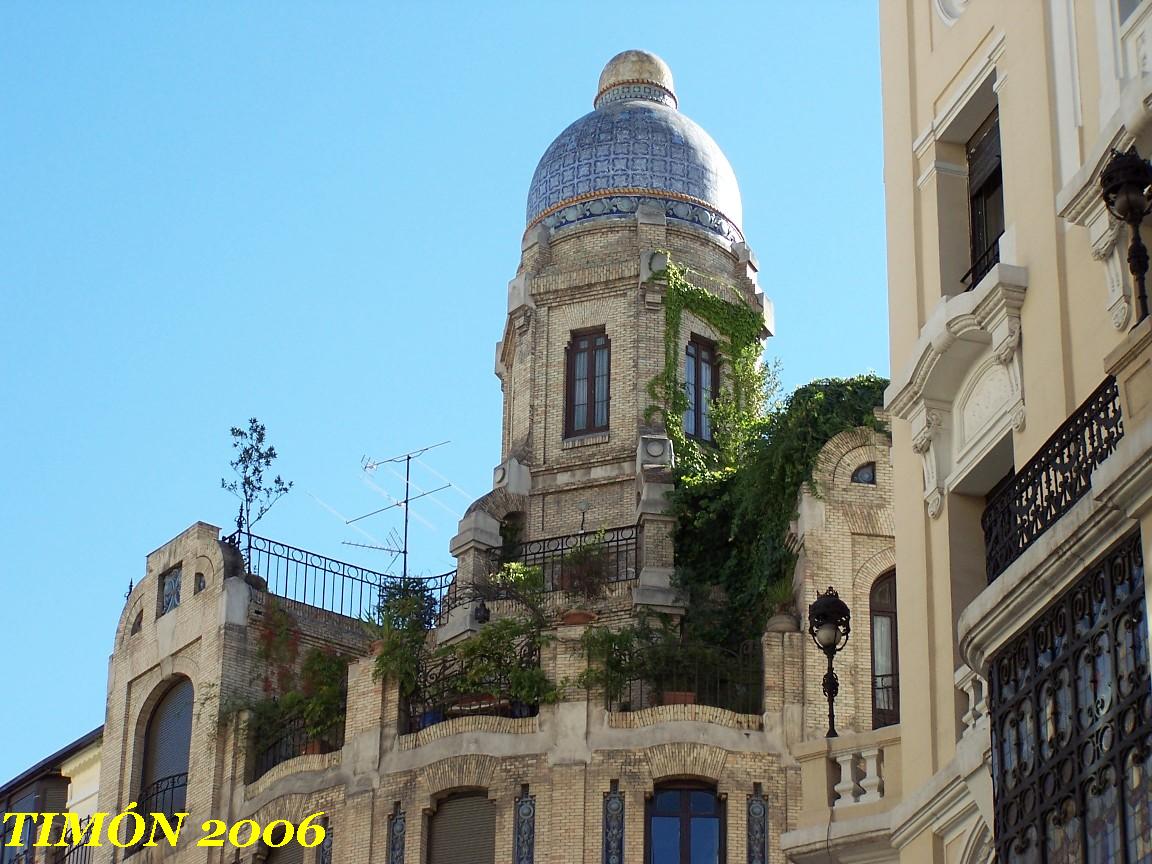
(849, 786)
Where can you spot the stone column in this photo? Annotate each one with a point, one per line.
(654, 460)
(474, 548)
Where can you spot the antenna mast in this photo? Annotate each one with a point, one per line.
(370, 465)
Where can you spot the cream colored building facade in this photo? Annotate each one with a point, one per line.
(582, 780)
(1020, 437)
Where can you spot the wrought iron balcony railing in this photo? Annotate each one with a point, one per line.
(615, 550)
(442, 692)
(291, 739)
(732, 680)
(168, 795)
(78, 853)
(325, 583)
(984, 263)
(1053, 480)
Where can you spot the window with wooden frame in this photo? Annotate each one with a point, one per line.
(885, 662)
(985, 198)
(701, 381)
(684, 824)
(588, 368)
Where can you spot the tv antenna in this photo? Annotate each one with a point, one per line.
(369, 466)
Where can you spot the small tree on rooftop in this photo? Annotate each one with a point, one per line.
(256, 493)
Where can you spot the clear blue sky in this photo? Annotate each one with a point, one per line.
(309, 212)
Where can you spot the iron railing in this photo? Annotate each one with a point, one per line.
(1069, 700)
(885, 700)
(78, 853)
(984, 262)
(565, 560)
(324, 583)
(289, 739)
(168, 795)
(441, 693)
(1053, 480)
(699, 675)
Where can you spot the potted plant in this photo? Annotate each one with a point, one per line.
(778, 597)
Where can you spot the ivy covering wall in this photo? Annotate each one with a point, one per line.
(734, 501)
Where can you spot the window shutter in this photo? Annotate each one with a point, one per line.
(463, 831)
(169, 735)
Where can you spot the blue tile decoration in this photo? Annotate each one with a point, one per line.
(524, 841)
(614, 825)
(757, 826)
(396, 831)
(629, 149)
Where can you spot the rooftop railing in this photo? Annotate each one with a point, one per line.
(1053, 480)
(321, 582)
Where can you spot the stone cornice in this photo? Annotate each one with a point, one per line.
(969, 316)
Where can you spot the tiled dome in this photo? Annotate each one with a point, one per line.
(635, 146)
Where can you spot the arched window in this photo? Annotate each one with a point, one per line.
(167, 740)
(865, 474)
(885, 664)
(463, 828)
(684, 825)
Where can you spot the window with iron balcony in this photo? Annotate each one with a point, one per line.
(985, 199)
(587, 383)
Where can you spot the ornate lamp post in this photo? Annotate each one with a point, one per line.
(1124, 185)
(829, 625)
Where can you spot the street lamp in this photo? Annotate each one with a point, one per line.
(1124, 186)
(829, 625)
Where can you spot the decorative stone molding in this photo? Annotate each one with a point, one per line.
(1105, 234)
(964, 386)
(686, 760)
(699, 713)
(472, 771)
(950, 11)
(512, 476)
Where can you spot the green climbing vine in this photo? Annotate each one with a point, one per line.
(734, 410)
(733, 522)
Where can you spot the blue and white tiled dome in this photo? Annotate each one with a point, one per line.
(636, 146)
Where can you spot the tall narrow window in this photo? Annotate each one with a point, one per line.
(700, 381)
(685, 825)
(463, 828)
(885, 665)
(985, 199)
(167, 740)
(587, 379)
